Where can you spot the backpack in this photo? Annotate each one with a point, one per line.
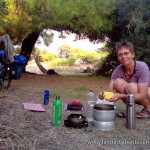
(16, 71)
(17, 66)
(20, 59)
(2, 53)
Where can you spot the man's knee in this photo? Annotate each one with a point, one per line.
(148, 93)
(119, 85)
(131, 88)
(119, 82)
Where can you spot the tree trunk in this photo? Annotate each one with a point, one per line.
(44, 70)
(40, 65)
(28, 44)
(27, 48)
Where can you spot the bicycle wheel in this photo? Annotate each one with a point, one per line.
(7, 80)
(1, 84)
(6, 77)
(6, 83)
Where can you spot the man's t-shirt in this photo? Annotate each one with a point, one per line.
(141, 73)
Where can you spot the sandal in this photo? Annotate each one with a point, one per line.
(121, 114)
(144, 114)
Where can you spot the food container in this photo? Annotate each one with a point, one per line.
(104, 117)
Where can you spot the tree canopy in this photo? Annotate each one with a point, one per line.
(119, 20)
(132, 24)
(90, 18)
(134, 18)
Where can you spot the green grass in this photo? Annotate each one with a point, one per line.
(81, 88)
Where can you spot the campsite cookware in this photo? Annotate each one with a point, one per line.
(104, 107)
(104, 117)
(76, 120)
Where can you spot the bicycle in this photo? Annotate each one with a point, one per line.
(9, 69)
(5, 75)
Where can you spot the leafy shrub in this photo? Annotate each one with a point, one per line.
(107, 65)
(131, 25)
(68, 62)
(55, 62)
(46, 57)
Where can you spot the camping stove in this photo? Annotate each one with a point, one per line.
(104, 117)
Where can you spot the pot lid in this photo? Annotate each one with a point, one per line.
(104, 107)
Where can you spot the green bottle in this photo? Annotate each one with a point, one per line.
(57, 111)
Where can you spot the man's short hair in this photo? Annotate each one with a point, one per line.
(124, 44)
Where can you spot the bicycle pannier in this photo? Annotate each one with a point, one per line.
(17, 67)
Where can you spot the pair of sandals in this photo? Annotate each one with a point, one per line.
(144, 114)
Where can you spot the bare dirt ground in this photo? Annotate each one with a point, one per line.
(21, 129)
(79, 68)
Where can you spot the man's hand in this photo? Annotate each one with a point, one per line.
(100, 96)
(116, 97)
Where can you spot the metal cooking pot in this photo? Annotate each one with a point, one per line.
(104, 113)
(104, 117)
(104, 107)
(103, 126)
(76, 119)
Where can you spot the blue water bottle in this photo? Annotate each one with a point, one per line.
(46, 97)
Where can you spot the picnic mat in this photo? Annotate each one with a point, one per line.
(34, 107)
